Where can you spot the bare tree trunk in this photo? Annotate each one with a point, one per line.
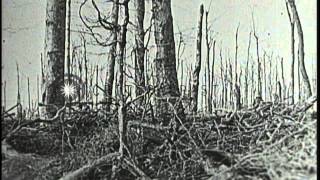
(139, 6)
(54, 55)
(112, 56)
(252, 83)
(196, 72)
(165, 62)
(304, 74)
(29, 100)
(292, 23)
(97, 84)
(265, 75)
(222, 81)
(299, 81)
(4, 96)
(209, 103)
(122, 107)
(213, 90)
(236, 85)
(19, 106)
(247, 71)
(68, 42)
(283, 82)
(258, 59)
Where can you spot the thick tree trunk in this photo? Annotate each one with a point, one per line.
(112, 56)
(165, 61)
(196, 72)
(139, 7)
(54, 55)
(304, 74)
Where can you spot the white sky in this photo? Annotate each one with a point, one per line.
(23, 33)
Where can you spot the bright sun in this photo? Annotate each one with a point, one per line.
(68, 90)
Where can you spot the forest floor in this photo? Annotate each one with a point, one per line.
(270, 141)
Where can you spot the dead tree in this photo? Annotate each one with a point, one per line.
(265, 75)
(19, 106)
(165, 61)
(292, 23)
(209, 87)
(121, 58)
(112, 55)
(68, 42)
(247, 71)
(304, 74)
(299, 81)
(54, 55)
(258, 58)
(139, 6)
(213, 90)
(29, 100)
(236, 81)
(197, 68)
(283, 82)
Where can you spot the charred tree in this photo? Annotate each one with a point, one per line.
(197, 68)
(54, 55)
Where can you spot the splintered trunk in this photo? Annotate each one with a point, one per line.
(112, 56)
(213, 90)
(139, 6)
(196, 72)
(304, 74)
(209, 95)
(54, 55)
(236, 83)
(247, 72)
(19, 106)
(222, 81)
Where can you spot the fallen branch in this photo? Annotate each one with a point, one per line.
(81, 172)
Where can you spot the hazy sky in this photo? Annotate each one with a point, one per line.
(23, 26)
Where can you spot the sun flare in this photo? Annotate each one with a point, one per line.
(68, 90)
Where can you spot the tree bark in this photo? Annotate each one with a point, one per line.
(304, 74)
(112, 56)
(165, 62)
(196, 72)
(139, 6)
(54, 55)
